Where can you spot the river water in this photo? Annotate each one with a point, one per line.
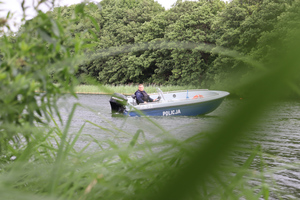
(278, 132)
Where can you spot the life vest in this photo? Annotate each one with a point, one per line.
(145, 95)
(198, 96)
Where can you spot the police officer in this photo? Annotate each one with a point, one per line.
(142, 96)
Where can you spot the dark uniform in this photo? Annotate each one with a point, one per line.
(142, 96)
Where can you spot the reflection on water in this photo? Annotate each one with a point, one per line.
(277, 132)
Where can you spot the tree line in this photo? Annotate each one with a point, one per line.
(138, 41)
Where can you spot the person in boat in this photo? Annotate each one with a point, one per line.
(142, 96)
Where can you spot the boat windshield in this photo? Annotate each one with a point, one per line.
(160, 93)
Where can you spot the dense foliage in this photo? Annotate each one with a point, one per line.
(122, 41)
(158, 46)
(40, 57)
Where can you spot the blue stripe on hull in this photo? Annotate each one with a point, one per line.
(186, 110)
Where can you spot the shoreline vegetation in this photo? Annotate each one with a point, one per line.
(248, 48)
(127, 89)
(152, 89)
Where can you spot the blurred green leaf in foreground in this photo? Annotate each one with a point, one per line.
(43, 164)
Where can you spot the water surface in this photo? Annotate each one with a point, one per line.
(277, 132)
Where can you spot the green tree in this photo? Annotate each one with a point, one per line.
(239, 28)
(123, 21)
(186, 22)
(30, 60)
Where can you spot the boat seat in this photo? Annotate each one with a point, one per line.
(134, 102)
(133, 96)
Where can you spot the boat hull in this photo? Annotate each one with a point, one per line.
(186, 103)
(199, 108)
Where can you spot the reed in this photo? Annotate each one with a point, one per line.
(199, 167)
(44, 162)
(127, 89)
(120, 170)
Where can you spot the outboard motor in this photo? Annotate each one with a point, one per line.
(118, 103)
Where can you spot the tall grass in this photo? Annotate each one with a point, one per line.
(127, 89)
(137, 169)
(49, 166)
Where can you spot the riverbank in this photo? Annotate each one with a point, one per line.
(131, 89)
(126, 89)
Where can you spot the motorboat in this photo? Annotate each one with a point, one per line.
(185, 102)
